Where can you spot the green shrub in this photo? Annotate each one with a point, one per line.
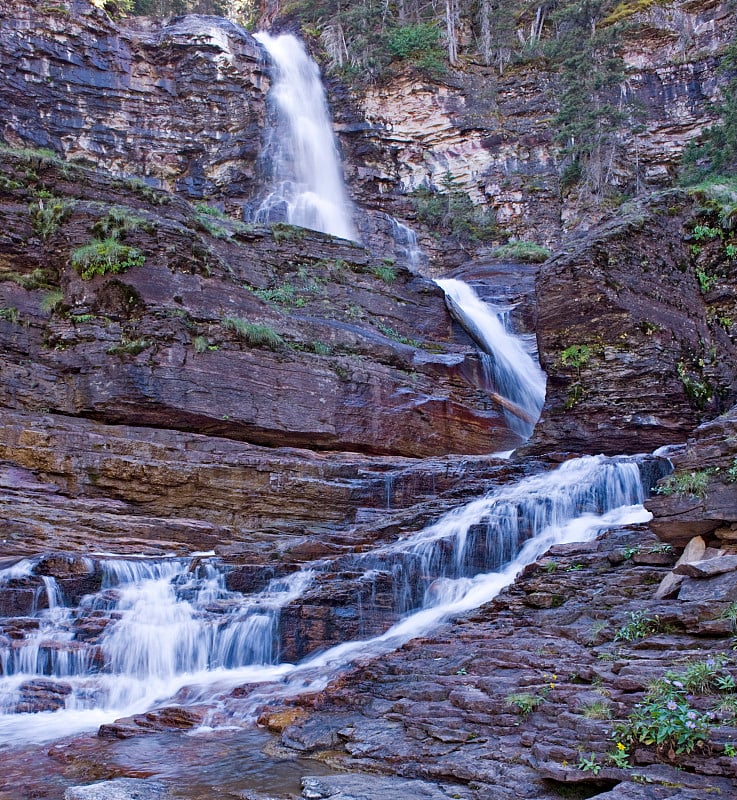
(46, 217)
(106, 256)
(255, 334)
(576, 356)
(51, 301)
(638, 627)
(682, 484)
(129, 347)
(118, 222)
(528, 252)
(524, 702)
(385, 273)
(38, 279)
(10, 314)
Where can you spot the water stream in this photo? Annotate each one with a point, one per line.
(306, 182)
(510, 367)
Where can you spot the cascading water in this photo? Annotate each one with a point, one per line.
(155, 627)
(511, 370)
(307, 187)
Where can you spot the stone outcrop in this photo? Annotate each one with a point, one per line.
(492, 132)
(632, 344)
(700, 498)
(283, 339)
(180, 105)
(513, 698)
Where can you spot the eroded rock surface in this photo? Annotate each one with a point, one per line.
(700, 499)
(630, 341)
(509, 700)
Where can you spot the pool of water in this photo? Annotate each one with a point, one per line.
(202, 766)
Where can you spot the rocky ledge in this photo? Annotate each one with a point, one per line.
(635, 329)
(539, 693)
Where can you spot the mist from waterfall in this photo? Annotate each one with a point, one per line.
(307, 187)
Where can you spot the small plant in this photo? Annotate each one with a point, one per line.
(628, 552)
(10, 314)
(730, 750)
(619, 756)
(201, 344)
(255, 334)
(730, 613)
(732, 471)
(392, 334)
(48, 215)
(525, 702)
(118, 222)
(589, 764)
(598, 709)
(703, 676)
(706, 282)
(320, 348)
(82, 318)
(210, 211)
(702, 232)
(385, 273)
(286, 294)
(51, 301)
(576, 356)
(128, 347)
(665, 719)
(697, 390)
(528, 252)
(638, 627)
(106, 256)
(287, 233)
(682, 484)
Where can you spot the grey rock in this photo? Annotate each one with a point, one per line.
(722, 588)
(368, 787)
(119, 789)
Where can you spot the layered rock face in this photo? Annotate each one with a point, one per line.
(700, 498)
(299, 342)
(492, 132)
(181, 105)
(632, 339)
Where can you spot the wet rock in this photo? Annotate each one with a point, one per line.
(119, 789)
(368, 787)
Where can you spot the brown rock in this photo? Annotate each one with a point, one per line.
(708, 568)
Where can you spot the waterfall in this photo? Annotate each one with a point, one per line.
(441, 571)
(511, 370)
(307, 182)
(156, 626)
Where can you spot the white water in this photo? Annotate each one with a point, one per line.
(512, 371)
(573, 503)
(307, 186)
(172, 625)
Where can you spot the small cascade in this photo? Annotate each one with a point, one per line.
(512, 372)
(407, 247)
(468, 556)
(154, 626)
(307, 187)
(488, 534)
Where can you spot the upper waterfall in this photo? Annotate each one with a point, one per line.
(512, 371)
(307, 181)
